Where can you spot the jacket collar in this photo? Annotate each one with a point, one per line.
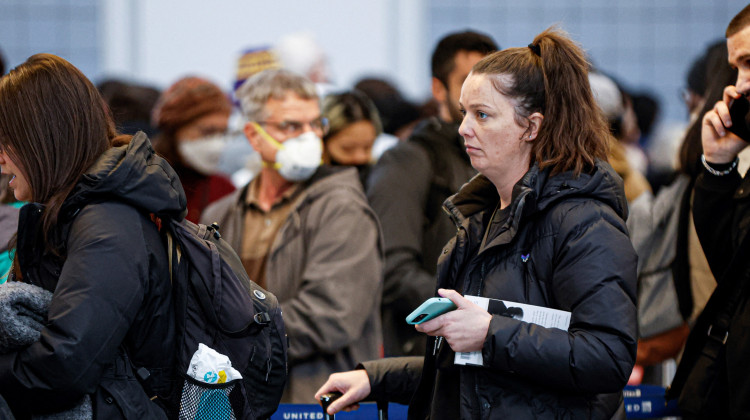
(325, 179)
(536, 191)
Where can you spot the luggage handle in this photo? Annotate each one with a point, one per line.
(327, 399)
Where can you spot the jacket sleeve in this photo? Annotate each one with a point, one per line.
(398, 189)
(342, 280)
(714, 214)
(98, 294)
(393, 379)
(593, 276)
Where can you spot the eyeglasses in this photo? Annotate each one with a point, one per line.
(294, 128)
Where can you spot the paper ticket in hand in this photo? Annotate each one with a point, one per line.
(539, 315)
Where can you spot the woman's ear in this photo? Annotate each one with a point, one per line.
(535, 123)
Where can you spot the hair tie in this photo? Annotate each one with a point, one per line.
(535, 49)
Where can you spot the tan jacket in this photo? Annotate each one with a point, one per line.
(325, 267)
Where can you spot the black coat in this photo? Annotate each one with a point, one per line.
(111, 291)
(721, 211)
(564, 246)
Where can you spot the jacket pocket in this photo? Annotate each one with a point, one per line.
(124, 398)
(535, 290)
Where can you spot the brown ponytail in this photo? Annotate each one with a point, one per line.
(550, 76)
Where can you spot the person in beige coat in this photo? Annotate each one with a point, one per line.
(306, 233)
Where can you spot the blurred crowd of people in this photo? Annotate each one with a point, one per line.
(529, 176)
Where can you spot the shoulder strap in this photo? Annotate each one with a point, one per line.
(681, 263)
(711, 330)
(439, 184)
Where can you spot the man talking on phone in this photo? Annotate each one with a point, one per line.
(721, 212)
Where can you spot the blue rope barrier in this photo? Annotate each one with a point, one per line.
(367, 411)
(641, 402)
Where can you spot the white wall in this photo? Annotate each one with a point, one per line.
(157, 42)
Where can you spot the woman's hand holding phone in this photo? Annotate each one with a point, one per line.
(429, 309)
(464, 328)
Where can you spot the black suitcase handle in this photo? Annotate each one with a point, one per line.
(327, 399)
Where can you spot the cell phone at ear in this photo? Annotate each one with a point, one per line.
(431, 308)
(739, 111)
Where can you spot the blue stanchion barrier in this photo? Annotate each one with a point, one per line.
(367, 411)
(641, 402)
(647, 402)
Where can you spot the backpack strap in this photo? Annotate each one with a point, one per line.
(440, 185)
(681, 263)
(173, 253)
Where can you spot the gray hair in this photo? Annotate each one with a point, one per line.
(271, 83)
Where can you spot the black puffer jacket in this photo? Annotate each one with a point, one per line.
(111, 291)
(565, 246)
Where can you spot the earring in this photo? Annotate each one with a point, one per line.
(529, 136)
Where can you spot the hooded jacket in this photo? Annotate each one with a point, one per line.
(564, 245)
(111, 300)
(325, 267)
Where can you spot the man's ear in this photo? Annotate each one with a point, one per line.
(535, 123)
(439, 91)
(252, 136)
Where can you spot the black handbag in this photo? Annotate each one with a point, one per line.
(700, 383)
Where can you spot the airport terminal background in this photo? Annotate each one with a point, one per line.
(646, 45)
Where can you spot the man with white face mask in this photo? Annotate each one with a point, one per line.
(192, 117)
(306, 233)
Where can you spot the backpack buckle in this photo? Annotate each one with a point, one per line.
(718, 337)
(215, 227)
(262, 318)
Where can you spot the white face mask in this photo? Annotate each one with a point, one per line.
(298, 157)
(203, 154)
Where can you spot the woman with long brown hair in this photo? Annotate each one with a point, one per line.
(542, 224)
(86, 236)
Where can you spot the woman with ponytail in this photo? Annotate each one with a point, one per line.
(86, 236)
(541, 224)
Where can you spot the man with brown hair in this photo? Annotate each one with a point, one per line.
(721, 212)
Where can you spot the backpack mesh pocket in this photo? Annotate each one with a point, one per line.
(202, 401)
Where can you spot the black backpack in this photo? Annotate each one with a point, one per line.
(218, 305)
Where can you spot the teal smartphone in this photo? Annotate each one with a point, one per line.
(431, 308)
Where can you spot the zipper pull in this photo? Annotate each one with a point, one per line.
(436, 346)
